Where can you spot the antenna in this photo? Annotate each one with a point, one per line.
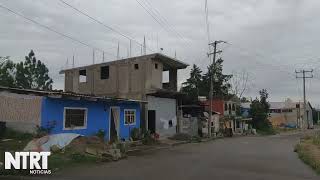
(128, 52)
(144, 45)
(130, 49)
(67, 64)
(103, 56)
(73, 61)
(93, 56)
(157, 43)
(118, 51)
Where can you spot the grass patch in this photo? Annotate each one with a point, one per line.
(309, 151)
(68, 158)
(16, 141)
(63, 159)
(11, 141)
(284, 129)
(266, 131)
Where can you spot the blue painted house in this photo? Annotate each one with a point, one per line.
(62, 112)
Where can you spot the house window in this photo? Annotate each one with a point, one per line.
(225, 106)
(129, 116)
(233, 107)
(83, 75)
(136, 66)
(237, 124)
(170, 123)
(156, 66)
(104, 72)
(75, 118)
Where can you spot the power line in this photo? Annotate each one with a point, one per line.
(154, 16)
(163, 19)
(101, 23)
(52, 30)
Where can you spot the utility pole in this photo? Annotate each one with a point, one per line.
(304, 73)
(214, 44)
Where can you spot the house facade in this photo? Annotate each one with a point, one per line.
(286, 114)
(58, 112)
(229, 117)
(291, 114)
(142, 78)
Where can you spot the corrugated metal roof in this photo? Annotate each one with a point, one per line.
(61, 94)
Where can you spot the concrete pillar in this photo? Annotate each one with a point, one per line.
(173, 79)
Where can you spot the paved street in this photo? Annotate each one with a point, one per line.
(232, 158)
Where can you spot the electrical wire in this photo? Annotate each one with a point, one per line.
(103, 24)
(159, 21)
(53, 30)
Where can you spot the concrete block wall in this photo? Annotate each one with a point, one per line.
(20, 112)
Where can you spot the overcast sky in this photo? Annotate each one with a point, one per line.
(269, 38)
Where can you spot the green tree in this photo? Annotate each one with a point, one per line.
(192, 85)
(220, 81)
(32, 74)
(260, 111)
(7, 70)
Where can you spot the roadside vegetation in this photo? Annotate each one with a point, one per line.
(81, 151)
(11, 141)
(259, 113)
(309, 151)
(74, 154)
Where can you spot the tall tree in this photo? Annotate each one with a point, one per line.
(240, 83)
(7, 71)
(32, 74)
(260, 111)
(220, 81)
(192, 86)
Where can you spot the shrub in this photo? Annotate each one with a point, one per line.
(316, 139)
(149, 139)
(101, 134)
(136, 134)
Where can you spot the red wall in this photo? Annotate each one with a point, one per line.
(217, 105)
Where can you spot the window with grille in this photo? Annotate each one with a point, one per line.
(75, 118)
(129, 116)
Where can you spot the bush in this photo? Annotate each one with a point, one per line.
(101, 134)
(45, 130)
(136, 134)
(149, 139)
(316, 139)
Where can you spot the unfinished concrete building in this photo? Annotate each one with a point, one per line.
(140, 78)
